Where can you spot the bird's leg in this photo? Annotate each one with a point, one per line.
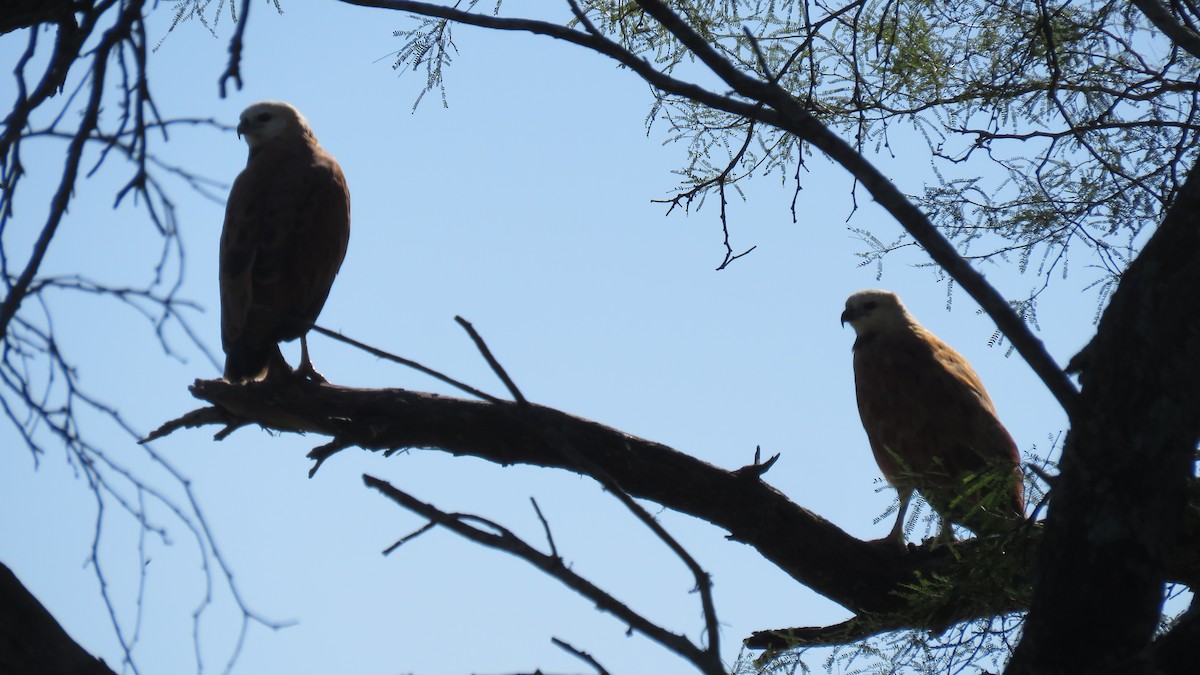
(946, 535)
(897, 533)
(305, 369)
(277, 368)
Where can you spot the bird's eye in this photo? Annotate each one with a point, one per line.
(871, 305)
(263, 117)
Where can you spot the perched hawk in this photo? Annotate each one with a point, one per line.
(287, 224)
(931, 424)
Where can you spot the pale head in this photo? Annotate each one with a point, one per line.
(268, 120)
(874, 310)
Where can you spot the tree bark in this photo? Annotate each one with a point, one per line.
(1118, 507)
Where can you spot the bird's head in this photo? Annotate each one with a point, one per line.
(872, 310)
(268, 120)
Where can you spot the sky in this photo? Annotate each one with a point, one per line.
(526, 207)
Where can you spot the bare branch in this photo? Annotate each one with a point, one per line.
(406, 362)
(491, 360)
(234, 70)
(862, 576)
(582, 655)
(499, 538)
(545, 528)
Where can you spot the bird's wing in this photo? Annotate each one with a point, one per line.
(239, 253)
(924, 408)
(319, 239)
(286, 230)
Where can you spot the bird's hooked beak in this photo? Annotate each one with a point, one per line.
(848, 316)
(241, 129)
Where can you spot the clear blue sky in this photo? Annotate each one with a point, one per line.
(524, 207)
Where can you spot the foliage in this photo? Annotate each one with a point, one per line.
(1050, 126)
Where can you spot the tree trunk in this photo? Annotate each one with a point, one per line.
(32, 642)
(1117, 509)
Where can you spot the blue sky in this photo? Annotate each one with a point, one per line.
(525, 207)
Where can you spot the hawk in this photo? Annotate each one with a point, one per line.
(287, 225)
(931, 424)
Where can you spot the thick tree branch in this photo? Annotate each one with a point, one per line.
(1118, 519)
(863, 576)
(977, 578)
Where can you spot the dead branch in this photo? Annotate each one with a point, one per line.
(497, 537)
(862, 576)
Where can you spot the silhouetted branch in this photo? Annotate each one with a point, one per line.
(109, 118)
(581, 655)
(497, 537)
(1184, 36)
(233, 71)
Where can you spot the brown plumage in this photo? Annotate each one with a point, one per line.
(930, 422)
(287, 224)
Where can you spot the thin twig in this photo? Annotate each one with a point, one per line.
(409, 537)
(233, 70)
(581, 655)
(406, 362)
(545, 527)
(501, 539)
(496, 367)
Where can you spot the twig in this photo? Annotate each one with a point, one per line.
(233, 70)
(406, 362)
(581, 655)
(324, 452)
(496, 367)
(702, 579)
(194, 420)
(409, 537)
(502, 539)
(545, 527)
(757, 469)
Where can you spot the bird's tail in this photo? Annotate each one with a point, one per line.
(244, 363)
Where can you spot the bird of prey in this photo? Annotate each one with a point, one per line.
(287, 225)
(931, 424)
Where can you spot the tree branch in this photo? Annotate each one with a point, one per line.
(500, 538)
(1158, 14)
(863, 576)
(784, 112)
(58, 206)
(1118, 520)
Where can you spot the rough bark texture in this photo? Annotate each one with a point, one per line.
(1118, 507)
(32, 642)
